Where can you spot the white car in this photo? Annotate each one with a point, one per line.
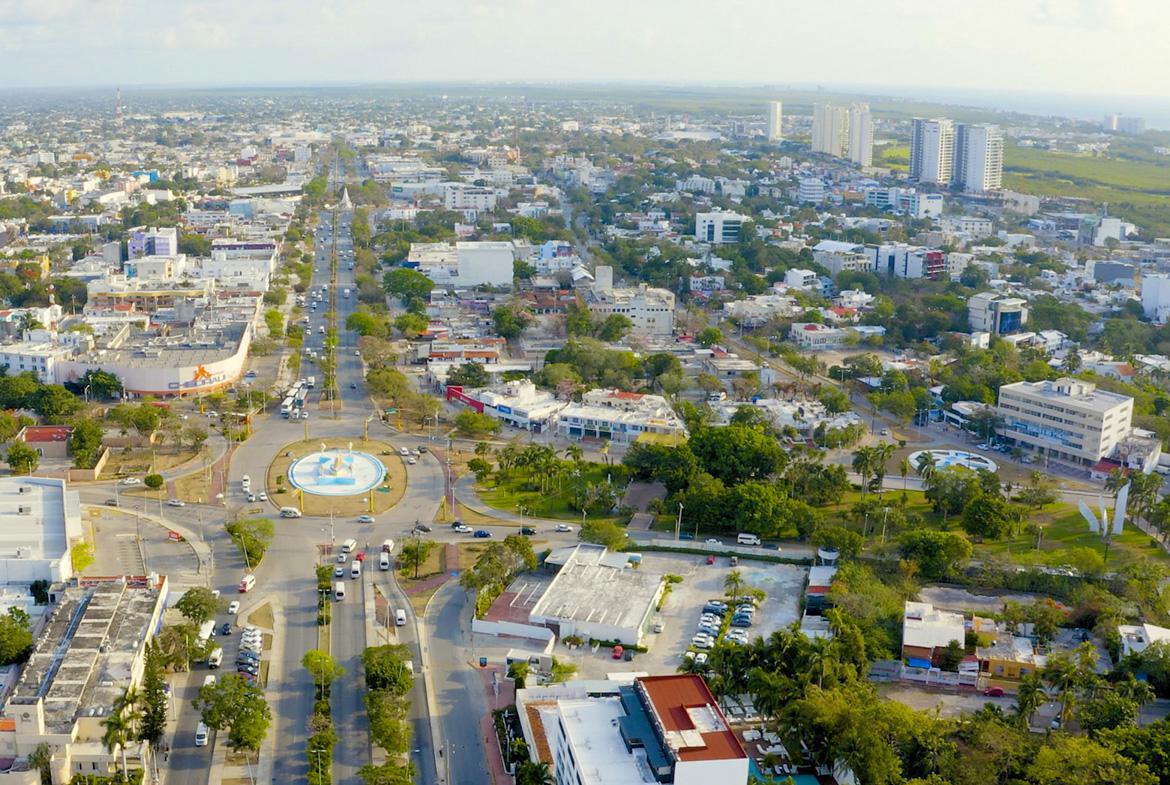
(341, 558)
(564, 527)
(713, 541)
(411, 461)
(463, 528)
(251, 497)
(234, 607)
(339, 571)
(701, 658)
(263, 496)
(176, 503)
(131, 481)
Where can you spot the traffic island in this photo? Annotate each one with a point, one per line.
(339, 476)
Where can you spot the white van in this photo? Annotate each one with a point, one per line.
(747, 539)
(348, 545)
(246, 482)
(208, 680)
(399, 618)
(289, 512)
(215, 658)
(355, 569)
(384, 561)
(247, 583)
(201, 735)
(339, 591)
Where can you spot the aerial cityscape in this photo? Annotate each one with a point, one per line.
(648, 423)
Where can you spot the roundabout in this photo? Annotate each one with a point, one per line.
(945, 459)
(336, 476)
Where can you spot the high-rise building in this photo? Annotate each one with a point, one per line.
(860, 135)
(775, 121)
(978, 164)
(830, 130)
(932, 150)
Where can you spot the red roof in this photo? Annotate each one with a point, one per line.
(627, 396)
(47, 433)
(672, 696)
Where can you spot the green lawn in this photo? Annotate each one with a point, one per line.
(554, 503)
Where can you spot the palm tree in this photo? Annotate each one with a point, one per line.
(1029, 698)
(1160, 517)
(1062, 675)
(905, 468)
(926, 465)
(881, 455)
(121, 726)
(820, 659)
(530, 773)
(574, 453)
(733, 584)
(1116, 481)
(1140, 692)
(863, 463)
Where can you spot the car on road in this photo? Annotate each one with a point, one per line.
(422, 448)
(994, 692)
(421, 527)
(111, 502)
(528, 531)
(234, 607)
(365, 519)
(176, 503)
(353, 385)
(201, 733)
(226, 629)
(251, 497)
(339, 570)
(403, 452)
(411, 461)
(482, 534)
(711, 559)
(342, 558)
(564, 527)
(361, 556)
(131, 481)
(463, 529)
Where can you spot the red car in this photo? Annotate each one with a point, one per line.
(617, 652)
(361, 556)
(994, 692)
(711, 559)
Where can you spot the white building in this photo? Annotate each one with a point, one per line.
(837, 256)
(810, 335)
(996, 313)
(39, 357)
(860, 135)
(460, 196)
(40, 518)
(620, 417)
(1067, 419)
(775, 121)
(811, 190)
(932, 150)
(830, 130)
(979, 158)
(921, 206)
(797, 278)
(649, 308)
(975, 226)
(518, 404)
(1136, 638)
(718, 227)
(464, 264)
(1156, 298)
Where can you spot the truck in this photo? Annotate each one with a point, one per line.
(311, 383)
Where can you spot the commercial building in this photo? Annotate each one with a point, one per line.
(996, 313)
(1068, 419)
(978, 158)
(811, 335)
(837, 256)
(651, 730)
(40, 518)
(463, 264)
(830, 130)
(926, 631)
(458, 196)
(620, 417)
(860, 135)
(93, 649)
(718, 227)
(597, 594)
(899, 260)
(152, 242)
(517, 403)
(810, 190)
(775, 121)
(1156, 298)
(650, 309)
(932, 150)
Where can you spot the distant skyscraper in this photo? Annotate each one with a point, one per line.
(932, 150)
(775, 121)
(860, 135)
(978, 158)
(830, 131)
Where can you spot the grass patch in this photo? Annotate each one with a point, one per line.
(511, 495)
(344, 505)
(262, 616)
(465, 514)
(433, 564)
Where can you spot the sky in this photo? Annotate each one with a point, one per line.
(1103, 47)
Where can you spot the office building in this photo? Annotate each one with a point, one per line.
(997, 314)
(620, 417)
(1124, 124)
(1156, 298)
(1068, 419)
(899, 260)
(650, 309)
(460, 196)
(798, 278)
(811, 190)
(463, 264)
(91, 651)
(932, 150)
(775, 121)
(152, 242)
(860, 135)
(718, 227)
(830, 130)
(517, 403)
(978, 166)
(837, 256)
(648, 730)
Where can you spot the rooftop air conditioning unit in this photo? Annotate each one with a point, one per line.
(24, 489)
(24, 509)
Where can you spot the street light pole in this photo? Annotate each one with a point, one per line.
(678, 523)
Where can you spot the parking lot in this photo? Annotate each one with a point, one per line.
(782, 584)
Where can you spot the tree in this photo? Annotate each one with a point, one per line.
(414, 552)
(469, 374)
(1107, 709)
(101, 384)
(388, 773)
(411, 325)
(614, 328)
(15, 637)
(54, 403)
(154, 481)
(1075, 760)
(988, 517)
(198, 604)
(757, 507)
(195, 435)
(364, 323)
(120, 726)
(737, 453)
(709, 336)
(85, 443)
(605, 533)
(530, 773)
(474, 425)
(1039, 492)
(154, 698)
(952, 655)
(561, 671)
(510, 321)
(407, 284)
(252, 536)
(22, 459)
(1030, 696)
(233, 703)
(936, 553)
(385, 669)
(324, 670)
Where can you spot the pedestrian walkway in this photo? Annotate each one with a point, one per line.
(500, 691)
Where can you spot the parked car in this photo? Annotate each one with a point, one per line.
(131, 481)
(711, 559)
(617, 652)
(994, 692)
(712, 541)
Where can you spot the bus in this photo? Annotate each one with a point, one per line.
(285, 407)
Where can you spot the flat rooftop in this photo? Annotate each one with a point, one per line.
(694, 726)
(41, 532)
(1073, 393)
(200, 348)
(84, 659)
(599, 588)
(600, 753)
